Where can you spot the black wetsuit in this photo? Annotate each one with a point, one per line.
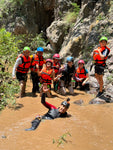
(67, 74)
(51, 114)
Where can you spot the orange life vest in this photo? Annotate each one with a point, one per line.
(24, 67)
(55, 68)
(80, 73)
(46, 75)
(37, 60)
(98, 60)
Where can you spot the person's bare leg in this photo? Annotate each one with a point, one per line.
(21, 89)
(101, 82)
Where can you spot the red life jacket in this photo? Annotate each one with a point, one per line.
(46, 76)
(80, 73)
(24, 67)
(37, 60)
(98, 60)
(55, 68)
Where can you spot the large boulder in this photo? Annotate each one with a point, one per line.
(20, 26)
(56, 33)
(97, 101)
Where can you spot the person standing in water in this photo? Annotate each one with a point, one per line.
(21, 68)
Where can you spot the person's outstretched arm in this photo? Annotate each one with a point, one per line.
(46, 104)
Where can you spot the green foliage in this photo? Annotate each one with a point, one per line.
(38, 41)
(71, 15)
(110, 78)
(76, 8)
(62, 139)
(8, 54)
(101, 17)
(18, 1)
(8, 46)
(33, 41)
(8, 89)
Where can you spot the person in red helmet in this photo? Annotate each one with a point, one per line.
(56, 66)
(47, 75)
(82, 76)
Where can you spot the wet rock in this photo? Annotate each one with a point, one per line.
(4, 137)
(97, 101)
(78, 102)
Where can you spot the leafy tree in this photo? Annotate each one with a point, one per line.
(8, 54)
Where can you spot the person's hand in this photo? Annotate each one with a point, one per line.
(59, 76)
(45, 88)
(83, 83)
(63, 67)
(37, 66)
(80, 79)
(14, 78)
(57, 66)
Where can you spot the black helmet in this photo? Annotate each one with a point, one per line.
(66, 103)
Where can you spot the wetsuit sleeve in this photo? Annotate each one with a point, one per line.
(46, 104)
(18, 62)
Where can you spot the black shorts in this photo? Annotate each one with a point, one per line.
(21, 76)
(99, 70)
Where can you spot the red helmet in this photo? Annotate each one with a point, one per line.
(49, 60)
(81, 62)
(57, 56)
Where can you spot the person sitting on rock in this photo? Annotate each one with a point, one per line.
(21, 68)
(68, 71)
(53, 112)
(56, 67)
(47, 75)
(100, 56)
(81, 76)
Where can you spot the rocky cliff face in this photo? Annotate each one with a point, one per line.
(94, 20)
(33, 16)
(29, 17)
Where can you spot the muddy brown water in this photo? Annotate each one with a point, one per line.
(90, 126)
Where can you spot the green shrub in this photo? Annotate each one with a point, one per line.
(8, 53)
(62, 139)
(71, 15)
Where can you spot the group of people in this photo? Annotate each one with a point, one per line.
(43, 72)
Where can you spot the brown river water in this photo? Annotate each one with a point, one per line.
(90, 126)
